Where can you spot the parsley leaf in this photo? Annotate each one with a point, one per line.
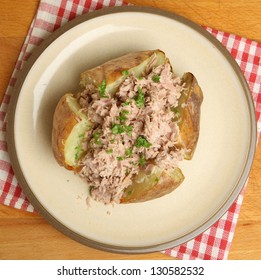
(142, 142)
(125, 72)
(128, 129)
(142, 160)
(121, 128)
(128, 152)
(78, 150)
(102, 89)
(140, 99)
(175, 110)
(122, 117)
(117, 128)
(96, 136)
(156, 78)
(129, 192)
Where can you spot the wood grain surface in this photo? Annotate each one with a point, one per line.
(27, 235)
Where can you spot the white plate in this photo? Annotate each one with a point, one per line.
(214, 177)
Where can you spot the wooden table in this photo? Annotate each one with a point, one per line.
(28, 236)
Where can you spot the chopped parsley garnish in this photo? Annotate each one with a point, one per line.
(102, 89)
(110, 151)
(156, 78)
(142, 142)
(121, 128)
(128, 152)
(142, 160)
(96, 136)
(78, 150)
(125, 72)
(119, 158)
(175, 111)
(128, 129)
(129, 192)
(122, 117)
(117, 128)
(140, 99)
(126, 103)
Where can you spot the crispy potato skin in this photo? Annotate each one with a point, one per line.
(112, 70)
(63, 122)
(190, 114)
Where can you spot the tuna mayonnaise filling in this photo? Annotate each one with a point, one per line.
(131, 130)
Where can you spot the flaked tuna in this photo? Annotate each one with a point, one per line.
(133, 128)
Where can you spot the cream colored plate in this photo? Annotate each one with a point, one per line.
(214, 177)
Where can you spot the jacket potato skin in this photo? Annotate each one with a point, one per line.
(64, 120)
(147, 186)
(189, 114)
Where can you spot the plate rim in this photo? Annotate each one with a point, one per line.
(26, 186)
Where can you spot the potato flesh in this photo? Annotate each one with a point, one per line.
(154, 185)
(68, 124)
(73, 148)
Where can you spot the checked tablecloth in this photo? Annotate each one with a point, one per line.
(213, 243)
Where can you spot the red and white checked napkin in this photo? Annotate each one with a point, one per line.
(213, 243)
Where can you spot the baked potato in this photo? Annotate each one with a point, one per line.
(107, 133)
